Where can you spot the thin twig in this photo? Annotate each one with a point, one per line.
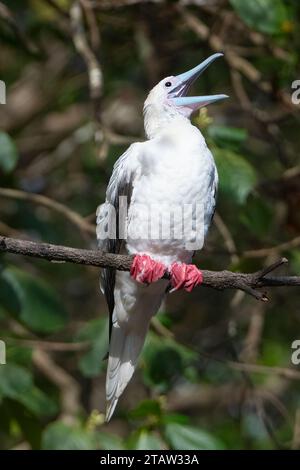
(283, 372)
(88, 55)
(55, 346)
(45, 201)
(57, 8)
(25, 42)
(69, 388)
(234, 60)
(263, 252)
(67, 385)
(228, 239)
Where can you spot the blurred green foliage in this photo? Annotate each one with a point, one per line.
(9, 154)
(267, 16)
(187, 394)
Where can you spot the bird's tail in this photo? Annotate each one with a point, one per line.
(125, 348)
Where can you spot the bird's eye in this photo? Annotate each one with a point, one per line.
(168, 84)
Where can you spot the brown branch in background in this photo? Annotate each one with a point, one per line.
(78, 8)
(147, 49)
(44, 164)
(219, 280)
(25, 42)
(249, 352)
(68, 387)
(257, 38)
(54, 346)
(253, 338)
(284, 372)
(206, 397)
(57, 8)
(252, 341)
(291, 172)
(8, 231)
(92, 24)
(228, 239)
(234, 60)
(45, 201)
(111, 4)
(265, 117)
(88, 55)
(203, 396)
(274, 250)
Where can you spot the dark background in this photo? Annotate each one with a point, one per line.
(216, 369)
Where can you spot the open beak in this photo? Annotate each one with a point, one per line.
(184, 82)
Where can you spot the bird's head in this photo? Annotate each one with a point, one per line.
(169, 99)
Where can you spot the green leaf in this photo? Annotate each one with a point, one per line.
(295, 261)
(257, 216)
(40, 308)
(17, 384)
(60, 436)
(14, 381)
(8, 153)
(225, 135)
(108, 441)
(275, 354)
(39, 403)
(164, 361)
(266, 16)
(96, 332)
(182, 437)
(19, 354)
(253, 426)
(237, 176)
(146, 440)
(162, 367)
(174, 418)
(147, 408)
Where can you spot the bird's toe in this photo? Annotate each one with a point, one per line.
(146, 270)
(185, 276)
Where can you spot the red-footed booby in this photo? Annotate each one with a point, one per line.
(169, 176)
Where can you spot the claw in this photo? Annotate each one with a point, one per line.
(185, 276)
(146, 270)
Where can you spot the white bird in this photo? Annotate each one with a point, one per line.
(172, 169)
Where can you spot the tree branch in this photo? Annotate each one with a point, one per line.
(45, 201)
(219, 280)
(82, 45)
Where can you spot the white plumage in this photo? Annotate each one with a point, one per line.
(173, 167)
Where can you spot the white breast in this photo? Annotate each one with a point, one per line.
(178, 177)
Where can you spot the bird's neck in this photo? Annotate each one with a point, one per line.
(157, 120)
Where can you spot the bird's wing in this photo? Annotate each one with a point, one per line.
(212, 198)
(120, 184)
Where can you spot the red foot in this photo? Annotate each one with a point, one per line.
(144, 269)
(185, 276)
